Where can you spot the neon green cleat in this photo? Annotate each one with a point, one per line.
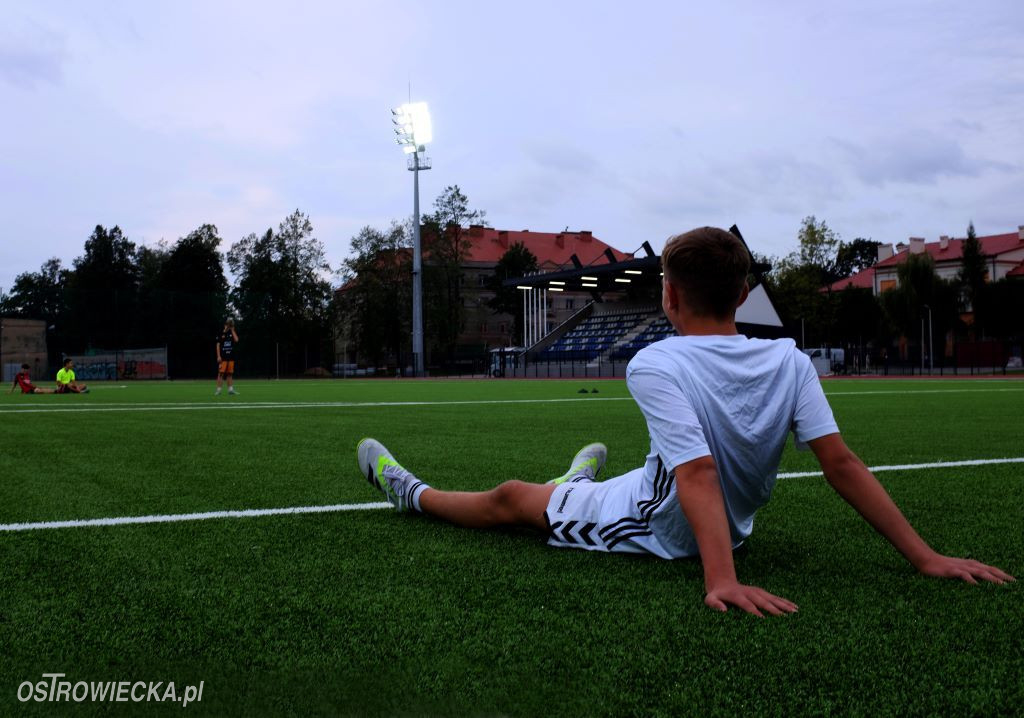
(385, 474)
(585, 465)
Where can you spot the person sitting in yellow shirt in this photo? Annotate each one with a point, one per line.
(66, 383)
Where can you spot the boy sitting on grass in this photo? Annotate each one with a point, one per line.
(66, 383)
(719, 408)
(23, 380)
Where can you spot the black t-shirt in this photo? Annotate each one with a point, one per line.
(227, 345)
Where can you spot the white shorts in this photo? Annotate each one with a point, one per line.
(618, 515)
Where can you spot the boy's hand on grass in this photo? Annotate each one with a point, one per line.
(965, 569)
(749, 598)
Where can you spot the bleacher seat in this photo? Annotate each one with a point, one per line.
(594, 336)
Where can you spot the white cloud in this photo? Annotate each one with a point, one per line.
(634, 121)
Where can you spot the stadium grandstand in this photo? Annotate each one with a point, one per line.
(623, 316)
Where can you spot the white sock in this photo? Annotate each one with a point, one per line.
(415, 492)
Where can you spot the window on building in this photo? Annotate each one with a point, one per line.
(483, 327)
(503, 328)
(483, 280)
(886, 284)
(570, 303)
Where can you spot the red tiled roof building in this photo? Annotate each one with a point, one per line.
(553, 250)
(1004, 257)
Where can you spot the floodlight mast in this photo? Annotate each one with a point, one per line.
(412, 126)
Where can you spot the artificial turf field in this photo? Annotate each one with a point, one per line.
(367, 612)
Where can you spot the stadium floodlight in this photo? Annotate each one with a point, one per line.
(412, 126)
(633, 271)
(414, 130)
(589, 284)
(623, 281)
(589, 279)
(555, 289)
(524, 288)
(553, 281)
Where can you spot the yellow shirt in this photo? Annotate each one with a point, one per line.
(65, 376)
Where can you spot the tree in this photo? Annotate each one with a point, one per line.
(971, 277)
(192, 293)
(919, 290)
(41, 295)
(858, 317)
(1005, 299)
(818, 247)
(517, 261)
(854, 256)
(103, 291)
(374, 304)
(804, 308)
(38, 295)
(151, 312)
(281, 295)
(195, 264)
(445, 251)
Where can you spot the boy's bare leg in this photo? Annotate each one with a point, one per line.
(513, 503)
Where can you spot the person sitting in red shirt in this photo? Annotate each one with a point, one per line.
(23, 380)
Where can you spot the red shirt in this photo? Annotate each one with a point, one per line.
(25, 382)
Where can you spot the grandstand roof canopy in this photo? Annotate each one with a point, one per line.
(609, 270)
(604, 275)
(608, 274)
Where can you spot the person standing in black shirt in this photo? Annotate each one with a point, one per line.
(226, 357)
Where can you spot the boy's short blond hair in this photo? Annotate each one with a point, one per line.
(709, 266)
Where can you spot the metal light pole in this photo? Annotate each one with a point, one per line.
(417, 271)
(412, 125)
(931, 342)
(922, 345)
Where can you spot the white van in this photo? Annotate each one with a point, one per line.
(826, 360)
(504, 359)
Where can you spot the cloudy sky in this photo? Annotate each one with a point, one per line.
(635, 120)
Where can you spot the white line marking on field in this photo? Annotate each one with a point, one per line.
(249, 513)
(914, 467)
(238, 406)
(294, 405)
(918, 391)
(170, 518)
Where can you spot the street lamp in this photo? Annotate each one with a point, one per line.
(931, 342)
(414, 131)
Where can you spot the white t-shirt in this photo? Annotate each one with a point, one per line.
(734, 399)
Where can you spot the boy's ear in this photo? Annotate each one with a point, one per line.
(743, 295)
(671, 294)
